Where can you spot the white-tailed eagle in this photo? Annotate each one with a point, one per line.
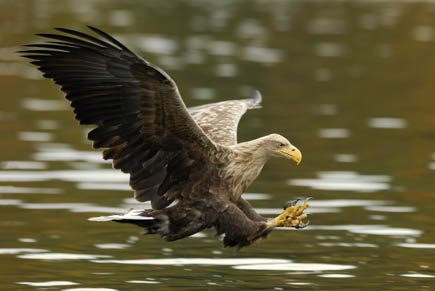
(172, 153)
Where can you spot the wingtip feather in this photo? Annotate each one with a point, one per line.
(257, 97)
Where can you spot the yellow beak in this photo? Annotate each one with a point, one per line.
(291, 152)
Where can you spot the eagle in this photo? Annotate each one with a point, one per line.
(186, 162)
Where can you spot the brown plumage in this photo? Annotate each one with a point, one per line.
(172, 153)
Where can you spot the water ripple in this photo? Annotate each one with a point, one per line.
(112, 246)
(35, 104)
(63, 154)
(387, 122)
(416, 246)
(27, 240)
(62, 256)
(14, 251)
(23, 165)
(270, 211)
(351, 245)
(295, 267)
(391, 208)
(345, 180)
(345, 158)
(196, 261)
(28, 190)
(346, 202)
(423, 33)
(48, 283)
(10, 202)
(104, 186)
(34, 136)
(336, 276)
(329, 49)
(262, 54)
(157, 44)
(73, 207)
(108, 175)
(142, 282)
(334, 133)
(390, 231)
(370, 229)
(416, 275)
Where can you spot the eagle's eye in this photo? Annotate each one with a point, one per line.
(281, 144)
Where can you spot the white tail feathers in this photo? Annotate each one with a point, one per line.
(131, 215)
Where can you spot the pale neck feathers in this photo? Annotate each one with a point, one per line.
(247, 164)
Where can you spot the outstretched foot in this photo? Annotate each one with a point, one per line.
(292, 216)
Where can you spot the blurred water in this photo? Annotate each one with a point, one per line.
(349, 82)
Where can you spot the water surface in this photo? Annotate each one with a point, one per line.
(349, 82)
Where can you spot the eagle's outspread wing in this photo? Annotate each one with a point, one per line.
(140, 117)
(220, 120)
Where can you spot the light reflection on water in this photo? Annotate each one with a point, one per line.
(334, 133)
(417, 246)
(196, 261)
(36, 104)
(112, 246)
(28, 190)
(27, 240)
(346, 158)
(34, 136)
(236, 263)
(71, 176)
(74, 207)
(295, 267)
(415, 275)
(345, 181)
(90, 289)
(375, 229)
(63, 154)
(13, 251)
(348, 245)
(391, 208)
(387, 122)
(61, 256)
(23, 165)
(142, 282)
(336, 276)
(48, 283)
(153, 43)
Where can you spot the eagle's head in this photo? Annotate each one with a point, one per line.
(278, 146)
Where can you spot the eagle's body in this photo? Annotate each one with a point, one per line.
(172, 153)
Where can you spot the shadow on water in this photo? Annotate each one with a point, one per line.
(350, 83)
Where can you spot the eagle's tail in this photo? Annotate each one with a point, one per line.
(133, 217)
(168, 223)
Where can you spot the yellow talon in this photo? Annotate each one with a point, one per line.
(292, 216)
(303, 216)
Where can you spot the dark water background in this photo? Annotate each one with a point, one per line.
(351, 83)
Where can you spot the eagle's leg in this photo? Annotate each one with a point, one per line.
(238, 229)
(292, 216)
(249, 210)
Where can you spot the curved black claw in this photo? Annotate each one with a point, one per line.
(291, 203)
(301, 224)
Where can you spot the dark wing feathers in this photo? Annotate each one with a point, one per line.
(141, 120)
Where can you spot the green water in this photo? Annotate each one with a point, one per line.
(350, 83)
